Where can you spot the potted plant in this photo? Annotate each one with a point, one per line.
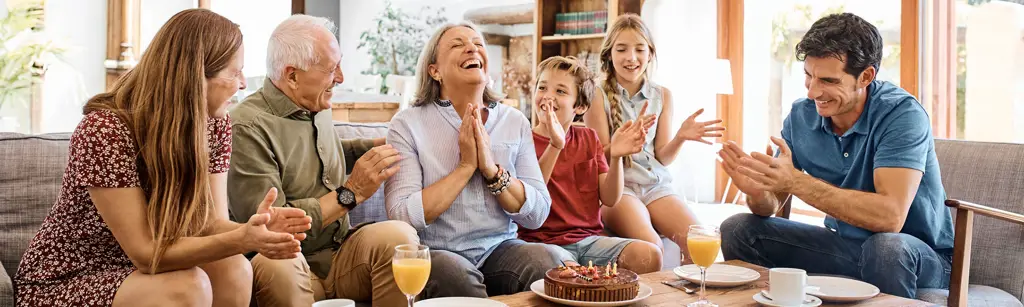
(395, 43)
(24, 53)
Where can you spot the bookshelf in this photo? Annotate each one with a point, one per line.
(549, 12)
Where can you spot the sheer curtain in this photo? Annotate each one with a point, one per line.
(684, 40)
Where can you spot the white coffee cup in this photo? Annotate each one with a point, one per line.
(335, 303)
(787, 286)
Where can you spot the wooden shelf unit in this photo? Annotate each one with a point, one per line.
(547, 44)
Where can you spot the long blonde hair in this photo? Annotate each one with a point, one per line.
(163, 103)
(428, 90)
(610, 85)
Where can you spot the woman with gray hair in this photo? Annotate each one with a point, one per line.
(468, 172)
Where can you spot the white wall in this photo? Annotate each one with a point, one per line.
(154, 13)
(329, 9)
(256, 25)
(80, 25)
(684, 41)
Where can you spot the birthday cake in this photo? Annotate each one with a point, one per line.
(591, 284)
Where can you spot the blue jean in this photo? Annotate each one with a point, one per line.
(896, 263)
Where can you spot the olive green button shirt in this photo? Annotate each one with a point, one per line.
(278, 144)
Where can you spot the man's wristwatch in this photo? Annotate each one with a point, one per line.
(346, 198)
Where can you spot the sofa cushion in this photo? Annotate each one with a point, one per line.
(989, 174)
(30, 179)
(372, 210)
(6, 288)
(977, 295)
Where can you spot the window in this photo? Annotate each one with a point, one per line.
(990, 70)
(770, 68)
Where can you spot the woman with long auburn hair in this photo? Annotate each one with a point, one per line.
(142, 216)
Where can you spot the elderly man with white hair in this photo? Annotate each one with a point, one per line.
(283, 137)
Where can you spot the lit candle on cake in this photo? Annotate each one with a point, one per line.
(615, 269)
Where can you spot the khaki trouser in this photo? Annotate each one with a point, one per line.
(360, 271)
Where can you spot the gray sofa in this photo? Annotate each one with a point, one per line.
(31, 168)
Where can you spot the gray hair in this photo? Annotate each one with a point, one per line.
(293, 43)
(428, 89)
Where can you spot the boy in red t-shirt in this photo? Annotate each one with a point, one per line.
(578, 175)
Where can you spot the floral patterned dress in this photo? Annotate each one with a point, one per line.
(74, 259)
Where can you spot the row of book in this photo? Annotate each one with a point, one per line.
(576, 23)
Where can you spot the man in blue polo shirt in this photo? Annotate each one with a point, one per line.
(867, 150)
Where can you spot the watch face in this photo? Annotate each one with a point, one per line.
(346, 197)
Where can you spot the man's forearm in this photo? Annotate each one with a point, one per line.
(330, 210)
(871, 211)
(766, 204)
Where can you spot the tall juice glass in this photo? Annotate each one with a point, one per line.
(703, 243)
(411, 265)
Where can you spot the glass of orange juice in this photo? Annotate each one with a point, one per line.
(703, 242)
(411, 265)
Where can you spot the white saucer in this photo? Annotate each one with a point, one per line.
(767, 302)
(538, 288)
(838, 289)
(719, 275)
(459, 302)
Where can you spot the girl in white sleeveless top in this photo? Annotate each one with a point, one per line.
(649, 207)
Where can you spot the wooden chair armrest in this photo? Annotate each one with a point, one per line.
(986, 211)
(964, 228)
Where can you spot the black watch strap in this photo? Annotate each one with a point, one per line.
(346, 198)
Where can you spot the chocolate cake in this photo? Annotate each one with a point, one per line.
(591, 284)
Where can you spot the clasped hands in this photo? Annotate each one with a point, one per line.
(475, 144)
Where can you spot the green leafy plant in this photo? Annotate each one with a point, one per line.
(397, 39)
(23, 52)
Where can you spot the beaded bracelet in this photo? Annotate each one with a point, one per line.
(501, 183)
(497, 178)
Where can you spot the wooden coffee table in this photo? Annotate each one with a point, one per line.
(737, 296)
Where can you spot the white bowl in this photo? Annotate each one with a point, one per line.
(335, 303)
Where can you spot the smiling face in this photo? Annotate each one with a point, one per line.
(313, 87)
(461, 58)
(225, 84)
(559, 86)
(835, 92)
(631, 54)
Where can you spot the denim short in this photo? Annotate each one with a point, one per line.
(647, 194)
(599, 249)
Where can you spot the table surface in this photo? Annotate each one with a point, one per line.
(736, 296)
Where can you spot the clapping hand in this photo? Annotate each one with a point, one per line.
(692, 130)
(286, 220)
(549, 121)
(627, 140)
(271, 244)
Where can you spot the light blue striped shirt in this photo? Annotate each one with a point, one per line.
(427, 138)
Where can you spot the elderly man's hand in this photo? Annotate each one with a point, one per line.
(371, 170)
